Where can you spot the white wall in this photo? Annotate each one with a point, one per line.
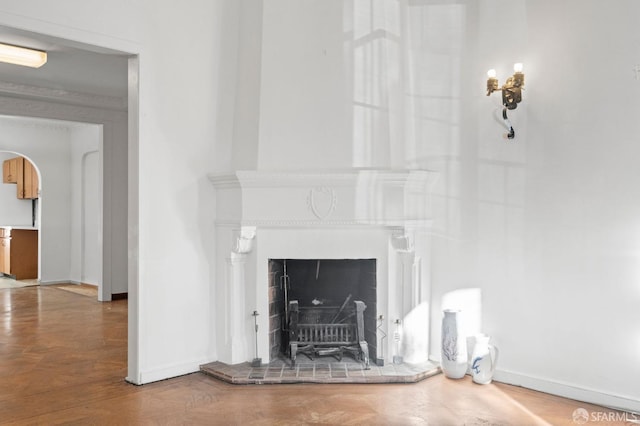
(546, 226)
(244, 44)
(179, 87)
(86, 206)
(178, 124)
(304, 121)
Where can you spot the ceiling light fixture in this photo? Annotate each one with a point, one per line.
(511, 92)
(22, 56)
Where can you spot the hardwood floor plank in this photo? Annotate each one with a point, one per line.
(63, 361)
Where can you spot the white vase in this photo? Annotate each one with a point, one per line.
(454, 346)
(484, 360)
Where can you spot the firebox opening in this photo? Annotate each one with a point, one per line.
(325, 284)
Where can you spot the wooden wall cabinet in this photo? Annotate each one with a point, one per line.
(28, 188)
(10, 170)
(21, 171)
(19, 253)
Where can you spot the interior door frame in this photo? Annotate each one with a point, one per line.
(30, 108)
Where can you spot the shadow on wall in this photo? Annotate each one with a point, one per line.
(414, 341)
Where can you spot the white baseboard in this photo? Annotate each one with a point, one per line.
(54, 282)
(82, 283)
(65, 282)
(168, 372)
(567, 390)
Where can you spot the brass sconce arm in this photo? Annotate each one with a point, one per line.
(511, 92)
(511, 89)
(492, 85)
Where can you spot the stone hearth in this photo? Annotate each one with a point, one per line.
(279, 372)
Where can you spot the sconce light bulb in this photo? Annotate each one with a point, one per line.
(492, 73)
(517, 67)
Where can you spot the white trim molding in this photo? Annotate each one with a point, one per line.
(175, 370)
(566, 390)
(115, 103)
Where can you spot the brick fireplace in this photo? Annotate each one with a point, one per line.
(326, 287)
(333, 229)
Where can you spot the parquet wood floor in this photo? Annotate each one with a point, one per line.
(63, 360)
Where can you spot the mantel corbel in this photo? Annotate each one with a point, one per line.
(402, 241)
(243, 239)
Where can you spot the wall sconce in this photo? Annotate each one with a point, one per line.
(511, 92)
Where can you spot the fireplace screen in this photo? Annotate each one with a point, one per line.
(327, 290)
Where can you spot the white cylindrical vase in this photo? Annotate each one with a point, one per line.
(454, 346)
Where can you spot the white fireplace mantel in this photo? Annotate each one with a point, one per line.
(343, 214)
(324, 198)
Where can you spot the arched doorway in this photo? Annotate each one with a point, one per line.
(64, 208)
(19, 218)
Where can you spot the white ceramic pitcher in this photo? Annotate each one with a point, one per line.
(483, 360)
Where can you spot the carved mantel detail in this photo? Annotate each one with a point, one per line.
(322, 201)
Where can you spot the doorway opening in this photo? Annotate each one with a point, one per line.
(60, 204)
(110, 71)
(19, 219)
